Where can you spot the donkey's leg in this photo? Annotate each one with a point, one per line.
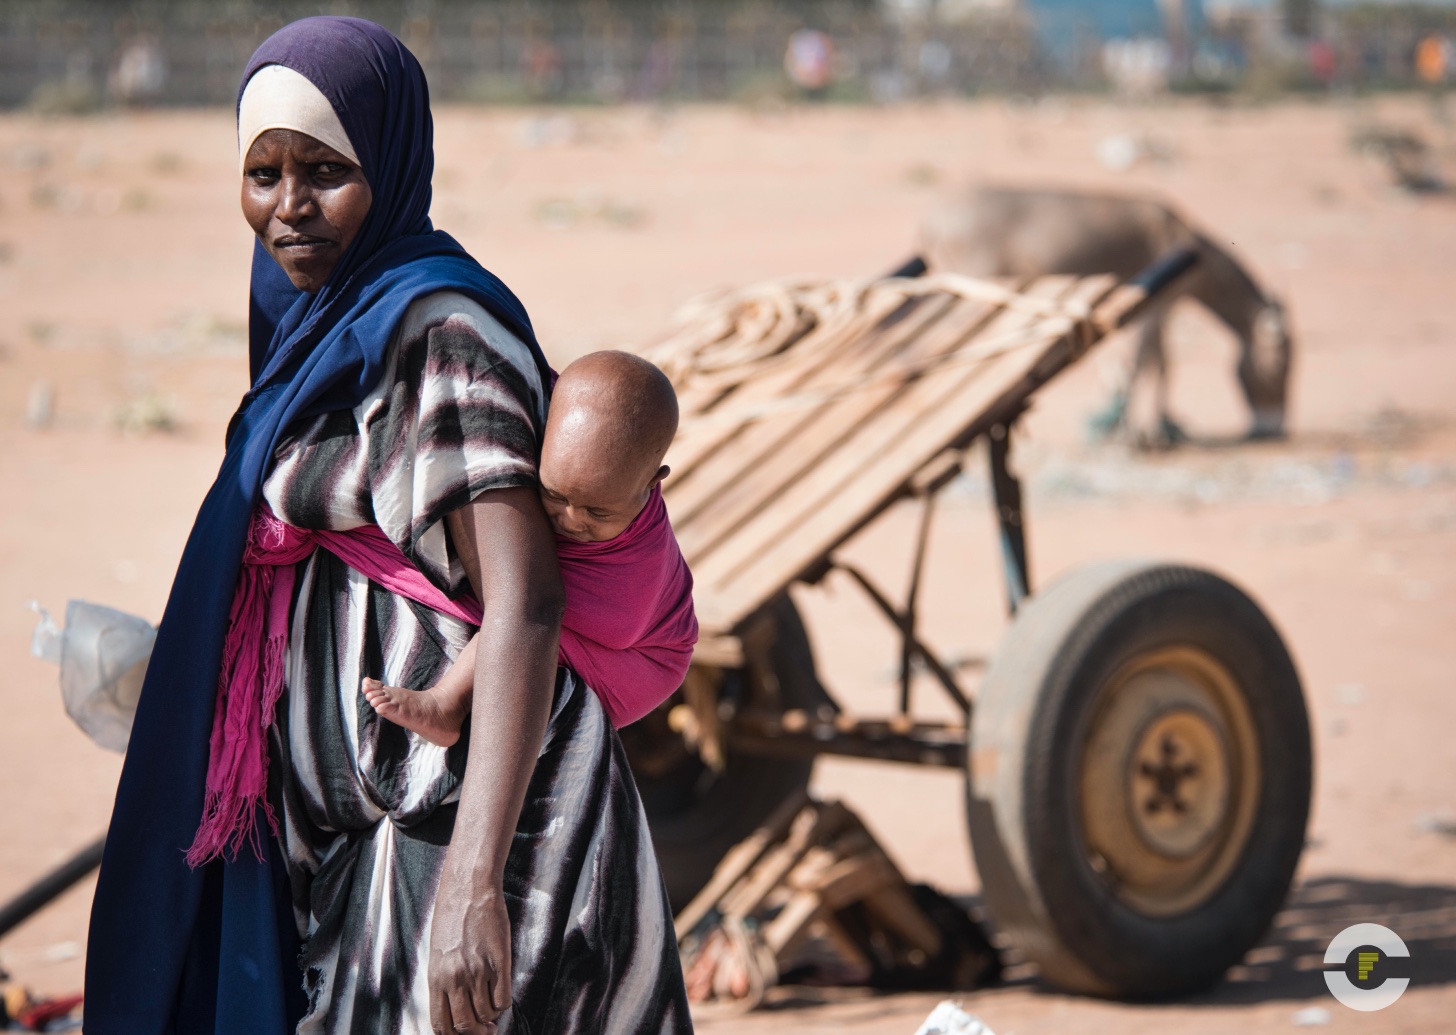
(1152, 358)
(1113, 416)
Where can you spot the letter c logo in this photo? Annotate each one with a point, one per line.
(1385, 991)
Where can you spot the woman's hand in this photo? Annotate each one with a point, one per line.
(470, 959)
(509, 554)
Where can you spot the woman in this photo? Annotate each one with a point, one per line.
(397, 384)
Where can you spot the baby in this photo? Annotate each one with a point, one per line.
(628, 627)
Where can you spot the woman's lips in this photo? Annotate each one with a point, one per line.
(299, 245)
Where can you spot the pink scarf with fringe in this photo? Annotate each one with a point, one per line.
(628, 630)
(250, 682)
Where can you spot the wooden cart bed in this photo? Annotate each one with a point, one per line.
(808, 408)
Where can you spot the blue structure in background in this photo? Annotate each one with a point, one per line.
(1062, 25)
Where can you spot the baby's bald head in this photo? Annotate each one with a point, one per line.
(612, 417)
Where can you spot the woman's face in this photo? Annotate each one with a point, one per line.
(305, 201)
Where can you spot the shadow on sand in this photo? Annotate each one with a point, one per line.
(1287, 965)
(1289, 962)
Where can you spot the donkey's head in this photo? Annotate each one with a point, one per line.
(1264, 368)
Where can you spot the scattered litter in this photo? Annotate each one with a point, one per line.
(1121, 151)
(103, 655)
(557, 213)
(45, 196)
(922, 174)
(166, 163)
(547, 131)
(58, 952)
(1218, 477)
(1409, 159)
(1445, 825)
(89, 158)
(22, 1010)
(30, 157)
(1311, 1017)
(40, 405)
(1338, 726)
(1350, 694)
(564, 213)
(145, 414)
(196, 332)
(949, 1019)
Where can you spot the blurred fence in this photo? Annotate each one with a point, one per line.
(76, 55)
(514, 51)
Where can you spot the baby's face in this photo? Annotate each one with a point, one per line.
(590, 503)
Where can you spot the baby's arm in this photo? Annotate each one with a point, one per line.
(437, 713)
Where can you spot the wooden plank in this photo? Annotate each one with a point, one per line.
(834, 500)
(828, 328)
(814, 824)
(796, 310)
(799, 528)
(860, 343)
(728, 323)
(724, 426)
(893, 906)
(770, 456)
(820, 333)
(739, 860)
(859, 433)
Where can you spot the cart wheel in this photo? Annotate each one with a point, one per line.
(696, 814)
(1140, 779)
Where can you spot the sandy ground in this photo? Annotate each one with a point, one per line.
(122, 290)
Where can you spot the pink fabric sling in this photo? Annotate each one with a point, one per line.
(628, 631)
(629, 626)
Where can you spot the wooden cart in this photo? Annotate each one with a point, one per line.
(1137, 751)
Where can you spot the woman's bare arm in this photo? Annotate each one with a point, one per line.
(510, 557)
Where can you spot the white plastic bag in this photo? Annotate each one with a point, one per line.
(949, 1019)
(103, 654)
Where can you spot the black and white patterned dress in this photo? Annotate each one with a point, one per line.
(366, 807)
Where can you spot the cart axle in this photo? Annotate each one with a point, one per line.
(797, 734)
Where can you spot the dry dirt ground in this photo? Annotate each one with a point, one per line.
(123, 269)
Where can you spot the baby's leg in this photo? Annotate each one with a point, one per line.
(435, 714)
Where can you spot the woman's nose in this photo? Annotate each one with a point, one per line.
(295, 201)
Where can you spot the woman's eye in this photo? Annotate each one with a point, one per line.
(330, 169)
(263, 172)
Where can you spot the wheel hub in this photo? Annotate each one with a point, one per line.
(1169, 780)
(1178, 782)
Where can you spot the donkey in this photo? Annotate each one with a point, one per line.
(999, 231)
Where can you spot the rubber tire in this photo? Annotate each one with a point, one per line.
(696, 817)
(1022, 807)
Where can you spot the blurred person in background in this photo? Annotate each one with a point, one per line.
(809, 62)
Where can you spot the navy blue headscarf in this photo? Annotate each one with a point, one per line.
(178, 951)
